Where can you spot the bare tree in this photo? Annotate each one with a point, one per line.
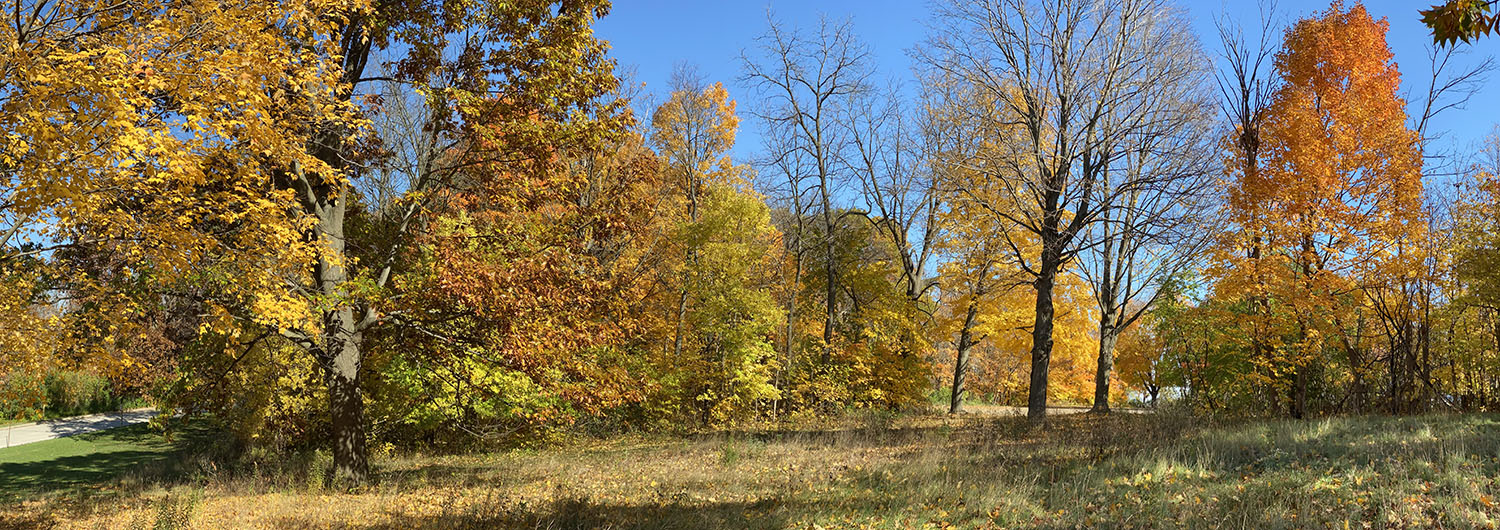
(1404, 306)
(895, 176)
(804, 82)
(1066, 73)
(1157, 226)
(783, 176)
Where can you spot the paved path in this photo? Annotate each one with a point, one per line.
(26, 433)
(1005, 410)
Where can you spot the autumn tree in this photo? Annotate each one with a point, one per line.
(1336, 189)
(974, 261)
(1000, 345)
(1143, 359)
(1408, 300)
(1246, 83)
(189, 153)
(988, 297)
(976, 267)
(693, 131)
(877, 357)
(726, 238)
(130, 131)
(1067, 71)
(1478, 258)
(974, 273)
(520, 305)
(1473, 318)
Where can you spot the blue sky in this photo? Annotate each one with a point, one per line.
(652, 36)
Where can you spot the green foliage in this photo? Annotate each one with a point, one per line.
(734, 315)
(272, 396)
(77, 393)
(173, 512)
(727, 363)
(460, 402)
(734, 450)
(1459, 20)
(58, 393)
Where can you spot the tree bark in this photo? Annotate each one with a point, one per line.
(1109, 322)
(1358, 388)
(831, 286)
(691, 184)
(681, 316)
(346, 403)
(1299, 393)
(338, 350)
(1109, 336)
(1041, 341)
(791, 304)
(961, 359)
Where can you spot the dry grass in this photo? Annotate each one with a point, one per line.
(1084, 471)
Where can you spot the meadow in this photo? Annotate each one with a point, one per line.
(1154, 470)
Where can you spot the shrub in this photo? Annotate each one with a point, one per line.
(23, 396)
(33, 396)
(75, 393)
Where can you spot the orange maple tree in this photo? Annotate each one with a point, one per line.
(1337, 193)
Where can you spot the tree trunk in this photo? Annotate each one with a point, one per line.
(830, 285)
(351, 465)
(691, 259)
(828, 248)
(1299, 393)
(1395, 376)
(339, 349)
(1109, 310)
(961, 359)
(1109, 336)
(1425, 331)
(1041, 341)
(791, 330)
(681, 322)
(1358, 389)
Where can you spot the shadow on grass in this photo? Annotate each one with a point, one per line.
(877, 434)
(577, 514)
(458, 476)
(94, 459)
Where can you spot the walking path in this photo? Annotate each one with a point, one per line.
(1005, 410)
(26, 433)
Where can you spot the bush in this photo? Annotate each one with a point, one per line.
(31, 396)
(23, 396)
(75, 393)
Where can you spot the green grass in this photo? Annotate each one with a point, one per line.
(88, 461)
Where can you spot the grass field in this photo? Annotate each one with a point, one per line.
(1083, 471)
(78, 465)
